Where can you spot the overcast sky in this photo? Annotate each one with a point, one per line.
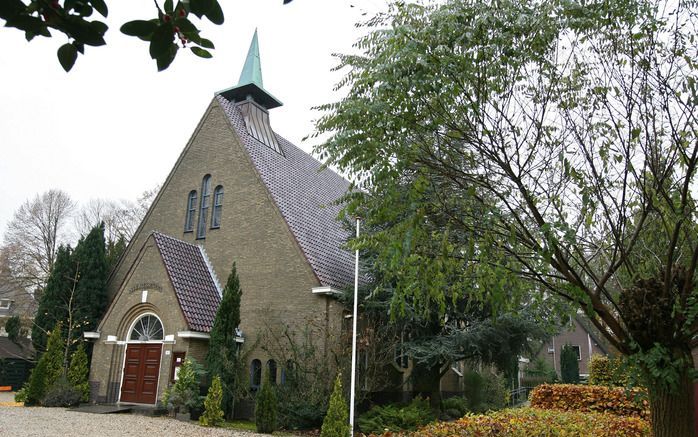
(113, 127)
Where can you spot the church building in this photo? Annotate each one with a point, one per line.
(237, 193)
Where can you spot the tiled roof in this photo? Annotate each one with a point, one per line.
(306, 198)
(195, 287)
(9, 349)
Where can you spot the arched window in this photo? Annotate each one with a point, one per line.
(203, 210)
(191, 209)
(255, 374)
(287, 373)
(217, 206)
(271, 365)
(147, 328)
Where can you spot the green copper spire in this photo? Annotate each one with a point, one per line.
(252, 71)
(250, 85)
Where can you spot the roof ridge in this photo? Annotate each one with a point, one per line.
(209, 266)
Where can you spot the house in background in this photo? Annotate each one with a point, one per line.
(582, 338)
(239, 193)
(15, 301)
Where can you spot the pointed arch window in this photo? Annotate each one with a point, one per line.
(255, 374)
(203, 210)
(191, 209)
(217, 207)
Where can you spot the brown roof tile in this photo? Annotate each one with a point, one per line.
(196, 289)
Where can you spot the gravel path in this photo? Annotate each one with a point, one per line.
(36, 421)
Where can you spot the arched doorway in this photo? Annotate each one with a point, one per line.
(142, 362)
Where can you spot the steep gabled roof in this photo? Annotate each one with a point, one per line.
(306, 195)
(194, 283)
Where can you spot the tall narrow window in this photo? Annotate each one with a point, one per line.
(191, 209)
(217, 206)
(203, 211)
(255, 374)
(271, 365)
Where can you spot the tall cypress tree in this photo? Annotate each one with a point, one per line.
(569, 365)
(90, 298)
(222, 358)
(53, 301)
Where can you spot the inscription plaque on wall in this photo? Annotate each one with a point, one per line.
(145, 286)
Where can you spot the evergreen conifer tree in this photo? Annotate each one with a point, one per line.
(78, 372)
(49, 369)
(222, 358)
(36, 386)
(266, 408)
(336, 423)
(569, 365)
(55, 365)
(52, 303)
(213, 414)
(91, 291)
(114, 251)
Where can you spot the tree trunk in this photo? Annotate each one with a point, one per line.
(672, 413)
(427, 383)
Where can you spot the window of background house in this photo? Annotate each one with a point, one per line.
(191, 209)
(5, 304)
(255, 374)
(203, 210)
(579, 352)
(217, 207)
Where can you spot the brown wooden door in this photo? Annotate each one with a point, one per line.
(141, 371)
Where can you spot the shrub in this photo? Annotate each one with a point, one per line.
(396, 417)
(78, 372)
(184, 394)
(586, 398)
(484, 391)
(455, 407)
(336, 423)
(61, 394)
(213, 415)
(539, 372)
(525, 422)
(21, 395)
(265, 409)
(609, 371)
(569, 365)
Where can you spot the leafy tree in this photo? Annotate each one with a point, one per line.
(13, 327)
(336, 423)
(223, 357)
(172, 25)
(265, 409)
(569, 365)
(52, 306)
(213, 415)
(556, 143)
(36, 231)
(79, 371)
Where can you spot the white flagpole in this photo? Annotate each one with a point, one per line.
(353, 336)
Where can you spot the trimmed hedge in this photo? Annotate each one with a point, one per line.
(526, 422)
(609, 371)
(591, 398)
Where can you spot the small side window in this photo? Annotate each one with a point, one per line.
(271, 365)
